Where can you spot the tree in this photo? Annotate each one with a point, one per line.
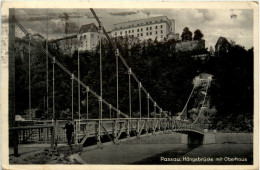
(198, 35)
(186, 34)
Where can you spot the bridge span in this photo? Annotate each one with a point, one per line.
(115, 129)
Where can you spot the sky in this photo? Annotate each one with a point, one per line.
(236, 25)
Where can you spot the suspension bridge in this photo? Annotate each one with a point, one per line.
(124, 125)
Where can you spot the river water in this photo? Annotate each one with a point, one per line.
(165, 154)
(211, 154)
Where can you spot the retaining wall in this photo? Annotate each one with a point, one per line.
(228, 138)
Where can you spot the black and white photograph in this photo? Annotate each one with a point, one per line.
(129, 84)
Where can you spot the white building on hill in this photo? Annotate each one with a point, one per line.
(155, 27)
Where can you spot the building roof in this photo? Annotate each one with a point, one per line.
(88, 28)
(222, 41)
(64, 38)
(142, 22)
(38, 35)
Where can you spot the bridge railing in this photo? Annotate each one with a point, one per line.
(27, 133)
(113, 128)
(86, 128)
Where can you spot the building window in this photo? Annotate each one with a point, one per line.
(137, 30)
(93, 45)
(161, 26)
(161, 36)
(155, 32)
(150, 33)
(147, 33)
(129, 31)
(132, 25)
(120, 32)
(133, 31)
(156, 27)
(137, 35)
(137, 24)
(150, 22)
(92, 35)
(141, 29)
(161, 31)
(125, 32)
(146, 22)
(141, 34)
(115, 34)
(150, 28)
(85, 36)
(146, 28)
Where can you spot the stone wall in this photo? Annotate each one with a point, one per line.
(190, 45)
(228, 138)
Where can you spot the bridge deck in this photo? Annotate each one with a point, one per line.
(113, 128)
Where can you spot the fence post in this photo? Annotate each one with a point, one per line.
(128, 129)
(16, 143)
(52, 137)
(76, 131)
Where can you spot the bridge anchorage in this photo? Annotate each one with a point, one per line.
(114, 128)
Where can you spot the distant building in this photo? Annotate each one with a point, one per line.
(67, 44)
(86, 40)
(222, 45)
(37, 37)
(190, 45)
(150, 28)
(88, 37)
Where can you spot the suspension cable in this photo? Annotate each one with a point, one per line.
(202, 103)
(186, 103)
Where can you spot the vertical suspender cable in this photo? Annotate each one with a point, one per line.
(53, 88)
(130, 97)
(140, 99)
(79, 82)
(154, 109)
(72, 109)
(87, 100)
(100, 67)
(47, 68)
(30, 104)
(117, 84)
(110, 107)
(148, 98)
